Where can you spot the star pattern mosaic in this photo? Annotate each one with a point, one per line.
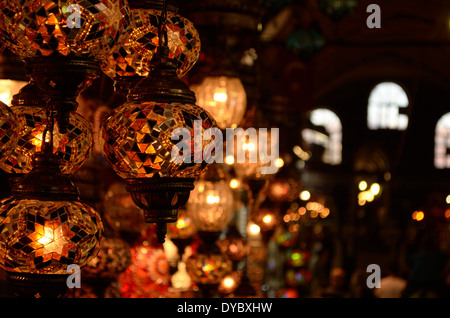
(41, 28)
(134, 57)
(136, 140)
(73, 148)
(8, 133)
(47, 236)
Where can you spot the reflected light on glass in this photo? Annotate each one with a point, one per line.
(8, 88)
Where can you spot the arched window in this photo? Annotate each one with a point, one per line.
(333, 142)
(387, 107)
(442, 142)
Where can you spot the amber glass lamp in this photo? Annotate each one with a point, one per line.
(79, 28)
(62, 44)
(181, 233)
(44, 228)
(129, 63)
(211, 203)
(137, 142)
(72, 148)
(148, 275)
(284, 189)
(211, 208)
(224, 97)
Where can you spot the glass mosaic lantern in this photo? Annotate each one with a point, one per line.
(113, 258)
(254, 157)
(67, 28)
(207, 270)
(62, 44)
(137, 142)
(73, 148)
(181, 233)
(44, 228)
(8, 132)
(134, 56)
(44, 237)
(234, 245)
(148, 275)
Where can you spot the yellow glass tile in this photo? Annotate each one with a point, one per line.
(145, 128)
(150, 150)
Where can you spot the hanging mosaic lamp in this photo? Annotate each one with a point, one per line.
(137, 141)
(62, 44)
(44, 228)
(148, 275)
(73, 148)
(81, 28)
(102, 271)
(129, 63)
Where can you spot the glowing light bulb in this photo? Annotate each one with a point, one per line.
(305, 195)
(220, 97)
(180, 223)
(362, 185)
(229, 160)
(249, 146)
(418, 215)
(47, 237)
(212, 199)
(254, 229)
(279, 162)
(234, 183)
(375, 188)
(228, 282)
(267, 219)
